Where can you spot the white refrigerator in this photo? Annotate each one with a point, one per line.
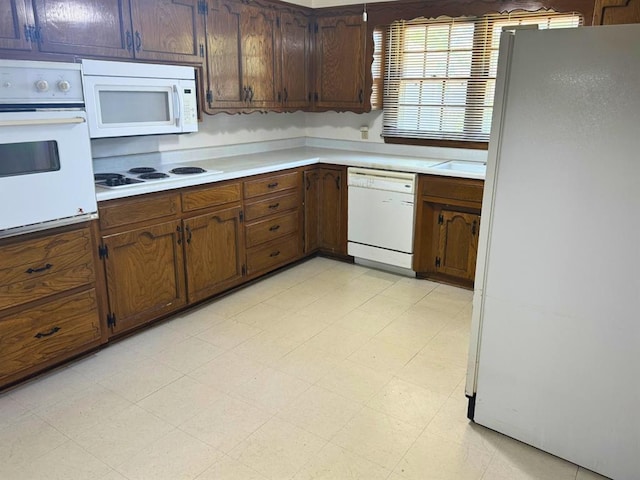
(554, 358)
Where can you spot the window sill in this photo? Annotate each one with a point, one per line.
(437, 143)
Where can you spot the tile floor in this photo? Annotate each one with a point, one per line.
(324, 371)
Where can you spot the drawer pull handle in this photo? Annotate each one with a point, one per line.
(272, 185)
(275, 254)
(41, 269)
(274, 205)
(274, 228)
(47, 334)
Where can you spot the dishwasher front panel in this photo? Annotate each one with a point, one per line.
(381, 218)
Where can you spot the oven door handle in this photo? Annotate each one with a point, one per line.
(47, 121)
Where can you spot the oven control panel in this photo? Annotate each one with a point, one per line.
(35, 82)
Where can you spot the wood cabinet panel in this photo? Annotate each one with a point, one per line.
(145, 273)
(457, 247)
(271, 228)
(118, 213)
(53, 330)
(167, 30)
(453, 188)
(268, 256)
(15, 16)
(211, 196)
(271, 205)
(340, 50)
(612, 12)
(90, 27)
(214, 252)
(271, 184)
(295, 51)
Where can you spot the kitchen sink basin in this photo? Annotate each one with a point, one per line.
(458, 166)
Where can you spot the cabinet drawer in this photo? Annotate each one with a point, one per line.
(271, 205)
(271, 228)
(211, 197)
(129, 211)
(455, 188)
(273, 254)
(271, 184)
(53, 330)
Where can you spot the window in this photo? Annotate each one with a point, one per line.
(439, 77)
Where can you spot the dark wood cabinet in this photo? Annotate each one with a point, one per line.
(15, 18)
(295, 52)
(325, 206)
(447, 228)
(612, 12)
(214, 241)
(340, 45)
(49, 307)
(158, 30)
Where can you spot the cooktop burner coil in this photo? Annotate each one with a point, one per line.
(142, 170)
(98, 177)
(153, 175)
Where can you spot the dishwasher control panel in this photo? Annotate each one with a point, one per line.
(381, 180)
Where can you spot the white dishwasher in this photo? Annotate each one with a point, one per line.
(381, 216)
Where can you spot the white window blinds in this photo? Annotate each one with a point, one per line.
(440, 73)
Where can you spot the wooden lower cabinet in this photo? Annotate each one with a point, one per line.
(325, 205)
(49, 309)
(213, 252)
(447, 229)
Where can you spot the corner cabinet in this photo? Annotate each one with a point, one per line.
(612, 12)
(325, 206)
(447, 228)
(14, 25)
(340, 46)
(49, 305)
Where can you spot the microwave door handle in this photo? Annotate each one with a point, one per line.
(48, 121)
(176, 105)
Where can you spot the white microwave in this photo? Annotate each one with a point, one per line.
(126, 99)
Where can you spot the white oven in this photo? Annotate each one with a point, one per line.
(46, 174)
(125, 99)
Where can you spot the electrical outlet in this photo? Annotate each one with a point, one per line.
(364, 133)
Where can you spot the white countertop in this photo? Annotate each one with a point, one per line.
(271, 161)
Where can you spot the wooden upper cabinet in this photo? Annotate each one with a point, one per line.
(258, 53)
(340, 67)
(15, 17)
(611, 12)
(160, 30)
(225, 89)
(295, 51)
(167, 30)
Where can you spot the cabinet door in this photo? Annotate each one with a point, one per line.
(258, 53)
(225, 89)
(311, 209)
(167, 30)
(90, 27)
(332, 214)
(295, 50)
(457, 245)
(340, 50)
(145, 274)
(611, 12)
(214, 252)
(15, 16)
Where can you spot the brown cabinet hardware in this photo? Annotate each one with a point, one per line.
(273, 206)
(41, 269)
(138, 41)
(272, 185)
(189, 234)
(274, 228)
(275, 254)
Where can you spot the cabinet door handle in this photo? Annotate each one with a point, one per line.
(338, 182)
(286, 95)
(272, 185)
(189, 233)
(179, 230)
(473, 227)
(245, 95)
(250, 94)
(273, 206)
(129, 40)
(279, 97)
(308, 183)
(275, 254)
(138, 41)
(361, 96)
(38, 270)
(47, 334)
(274, 228)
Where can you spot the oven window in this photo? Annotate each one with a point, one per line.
(120, 106)
(28, 157)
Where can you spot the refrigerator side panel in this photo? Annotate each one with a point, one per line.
(560, 333)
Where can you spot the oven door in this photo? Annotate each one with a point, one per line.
(46, 172)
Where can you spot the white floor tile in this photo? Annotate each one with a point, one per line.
(229, 468)
(354, 381)
(333, 463)
(272, 389)
(227, 371)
